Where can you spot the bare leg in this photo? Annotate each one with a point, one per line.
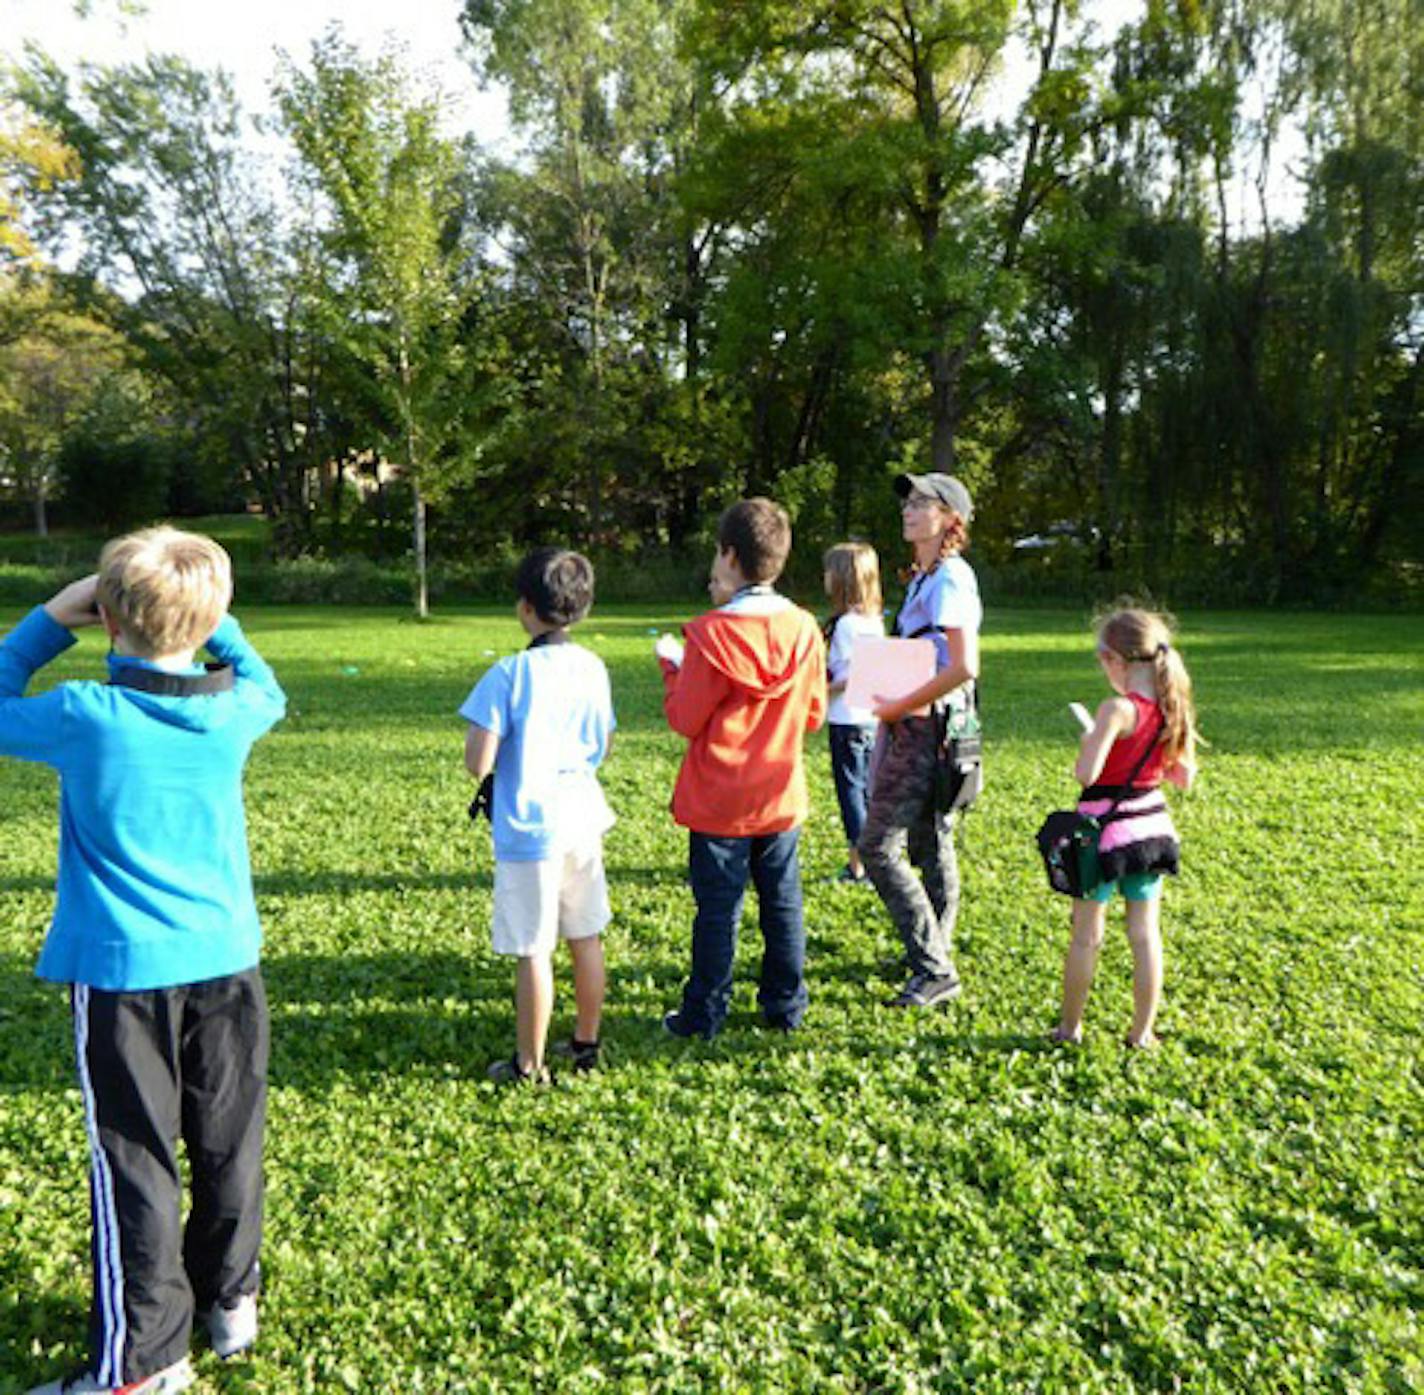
(853, 861)
(589, 979)
(533, 1006)
(1080, 965)
(1145, 937)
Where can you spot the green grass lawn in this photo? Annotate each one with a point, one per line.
(881, 1202)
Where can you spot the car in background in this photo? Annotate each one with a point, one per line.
(1054, 536)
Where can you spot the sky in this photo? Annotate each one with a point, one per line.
(246, 37)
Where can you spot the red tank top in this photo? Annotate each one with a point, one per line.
(1127, 750)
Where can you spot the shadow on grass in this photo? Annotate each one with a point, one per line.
(24, 882)
(36, 1043)
(448, 1013)
(42, 1319)
(320, 883)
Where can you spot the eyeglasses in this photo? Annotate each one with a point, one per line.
(919, 501)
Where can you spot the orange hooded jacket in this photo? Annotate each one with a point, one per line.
(749, 688)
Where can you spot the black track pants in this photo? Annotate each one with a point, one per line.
(189, 1061)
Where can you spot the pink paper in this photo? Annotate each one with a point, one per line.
(887, 668)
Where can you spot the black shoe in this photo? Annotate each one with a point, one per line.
(675, 1024)
(582, 1055)
(779, 1023)
(510, 1072)
(926, 990)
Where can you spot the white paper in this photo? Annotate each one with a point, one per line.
(1081, 714)
(882, 669)
(669, 647)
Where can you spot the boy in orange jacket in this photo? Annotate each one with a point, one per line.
(749, 685)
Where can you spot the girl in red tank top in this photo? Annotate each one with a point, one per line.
(1143, 734)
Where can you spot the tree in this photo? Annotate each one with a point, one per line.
(603, 275)
(32, 160)
(391, 184)
(47, 375)
(894, 96)
(174, 214)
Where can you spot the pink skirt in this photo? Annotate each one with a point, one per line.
(1138, 835)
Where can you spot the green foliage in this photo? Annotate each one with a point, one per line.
(882, 1202)
(747, 247)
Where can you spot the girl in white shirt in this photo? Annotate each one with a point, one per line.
(853, 585)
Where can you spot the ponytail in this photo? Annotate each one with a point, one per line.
(1174, 697)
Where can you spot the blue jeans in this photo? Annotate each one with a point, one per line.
(850, 765)
(719, 869)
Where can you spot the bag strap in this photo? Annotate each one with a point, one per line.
(218, 678)
(1126, 785)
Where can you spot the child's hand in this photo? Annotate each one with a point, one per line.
(1183, 773)
(75, 606)
(669, 649)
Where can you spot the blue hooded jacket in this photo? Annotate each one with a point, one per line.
(154, 886)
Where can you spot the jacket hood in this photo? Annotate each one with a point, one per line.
(762, 653)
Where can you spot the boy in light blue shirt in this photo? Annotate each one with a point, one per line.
(155, 930)
(540, 723)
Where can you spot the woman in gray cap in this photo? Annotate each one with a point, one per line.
(942, 604)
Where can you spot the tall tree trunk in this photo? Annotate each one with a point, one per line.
(422, 590)
(944, 408)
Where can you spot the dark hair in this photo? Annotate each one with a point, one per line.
(759, 534)
(556, 584)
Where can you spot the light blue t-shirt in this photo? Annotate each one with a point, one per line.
(945, 599)
(551, 707)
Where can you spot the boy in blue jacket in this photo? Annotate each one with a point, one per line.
(155, 930)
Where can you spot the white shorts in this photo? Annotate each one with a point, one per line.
(537, 902)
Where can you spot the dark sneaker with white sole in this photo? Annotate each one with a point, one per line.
(926, 990)
(676, 1025)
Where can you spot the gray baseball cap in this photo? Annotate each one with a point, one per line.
(944, 488)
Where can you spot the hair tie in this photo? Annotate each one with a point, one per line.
(1162, 649)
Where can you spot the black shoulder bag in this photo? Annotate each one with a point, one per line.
(959, 755)
(1068, 842)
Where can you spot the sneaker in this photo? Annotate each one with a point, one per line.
(510, 1072)
(232, 1326)
(675, 1024)
(170, 1380)
(926, 990)
(583, 1055)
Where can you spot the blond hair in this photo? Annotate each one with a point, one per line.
(854, 572)
(165, 588)
(1140, 636)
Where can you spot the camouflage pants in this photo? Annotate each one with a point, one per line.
(902, 815)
